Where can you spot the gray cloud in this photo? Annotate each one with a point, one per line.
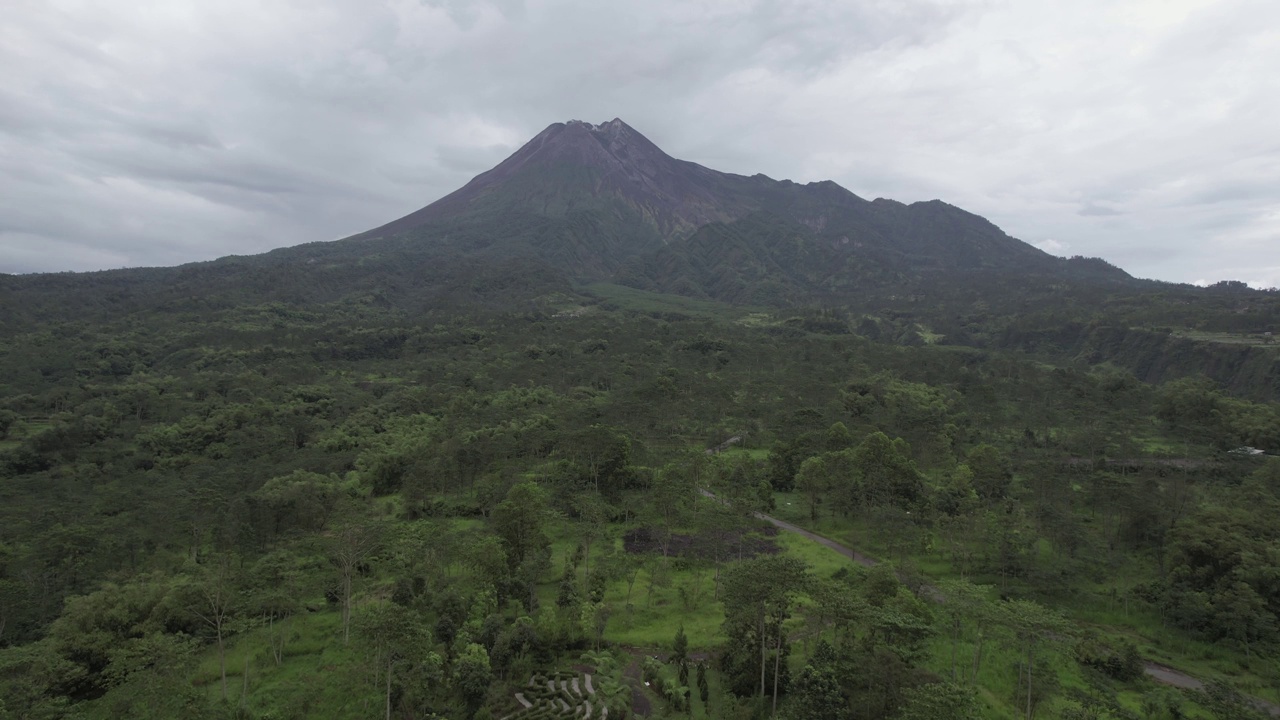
(166, 131)
(1092, 210)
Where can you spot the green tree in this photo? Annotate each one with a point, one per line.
(967, 606)
(704, 687)
(816, 694)
(1244, 614)
(213, 596)
(593, 515)
(349, 548)
(399, 644)
(520, 519)
(754, 614)
(680, 655)
(814, 481)
(472, 675)
(1222, 580)
(7, 420)
(1034, 629)
(301, 499)
(992, 472)
(1191, 404)
(1010, 540)
(604, 453)
(939, 701)
(885, 472)
(151, 677)
(838, 438)
(609, 684)
(1225, 703)
(956, 496)
(671, 493)
(274, 596)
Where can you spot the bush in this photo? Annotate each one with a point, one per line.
(1119, 663)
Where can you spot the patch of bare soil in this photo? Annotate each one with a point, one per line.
(640, 704)
(734, 545)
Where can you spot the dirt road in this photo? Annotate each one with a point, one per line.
(850, 553)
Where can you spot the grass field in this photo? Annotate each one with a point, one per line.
(643, 301)
(1255, 339)
(301, 685)
(751, 453)
(23, 429)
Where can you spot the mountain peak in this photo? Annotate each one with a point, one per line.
(576, 165)
(619, 140)
(592, 195)
(613, 125)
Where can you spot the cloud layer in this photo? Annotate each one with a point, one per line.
(156, 133)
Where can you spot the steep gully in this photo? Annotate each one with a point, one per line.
(1160, 673)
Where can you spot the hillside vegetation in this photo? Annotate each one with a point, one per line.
(283, 500)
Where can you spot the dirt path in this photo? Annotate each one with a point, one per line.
(640, 705)
(1179, 679)
(1169, 676)
(850, 553)
(1160, 673)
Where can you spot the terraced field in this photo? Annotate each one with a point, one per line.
(562, 695)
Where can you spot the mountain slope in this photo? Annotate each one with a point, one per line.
(602, 201)
(584, 202)
(575, 166)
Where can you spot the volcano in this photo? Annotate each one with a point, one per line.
(603, 201)
(576, 167)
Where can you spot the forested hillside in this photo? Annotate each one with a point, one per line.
(400, 493)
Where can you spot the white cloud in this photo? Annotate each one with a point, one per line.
(1051, 246)
(154, 132)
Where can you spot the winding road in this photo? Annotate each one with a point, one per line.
(1160, 673)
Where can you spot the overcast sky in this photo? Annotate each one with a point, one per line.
(155, 133)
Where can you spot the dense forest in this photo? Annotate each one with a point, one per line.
(345, 482)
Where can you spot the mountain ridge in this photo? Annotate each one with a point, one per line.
(604, 194)
(582, 204)
(601, 161)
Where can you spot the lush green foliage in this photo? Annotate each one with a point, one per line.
(224, 486)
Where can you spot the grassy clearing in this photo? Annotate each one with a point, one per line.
(316, 676)
(1159, 445)
(666, 593)
(822, 561)
(26, 428)
(930, 337)
(643, 301)
(1254, 339)
(23, 429)
(760, 319)
(749, 453)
